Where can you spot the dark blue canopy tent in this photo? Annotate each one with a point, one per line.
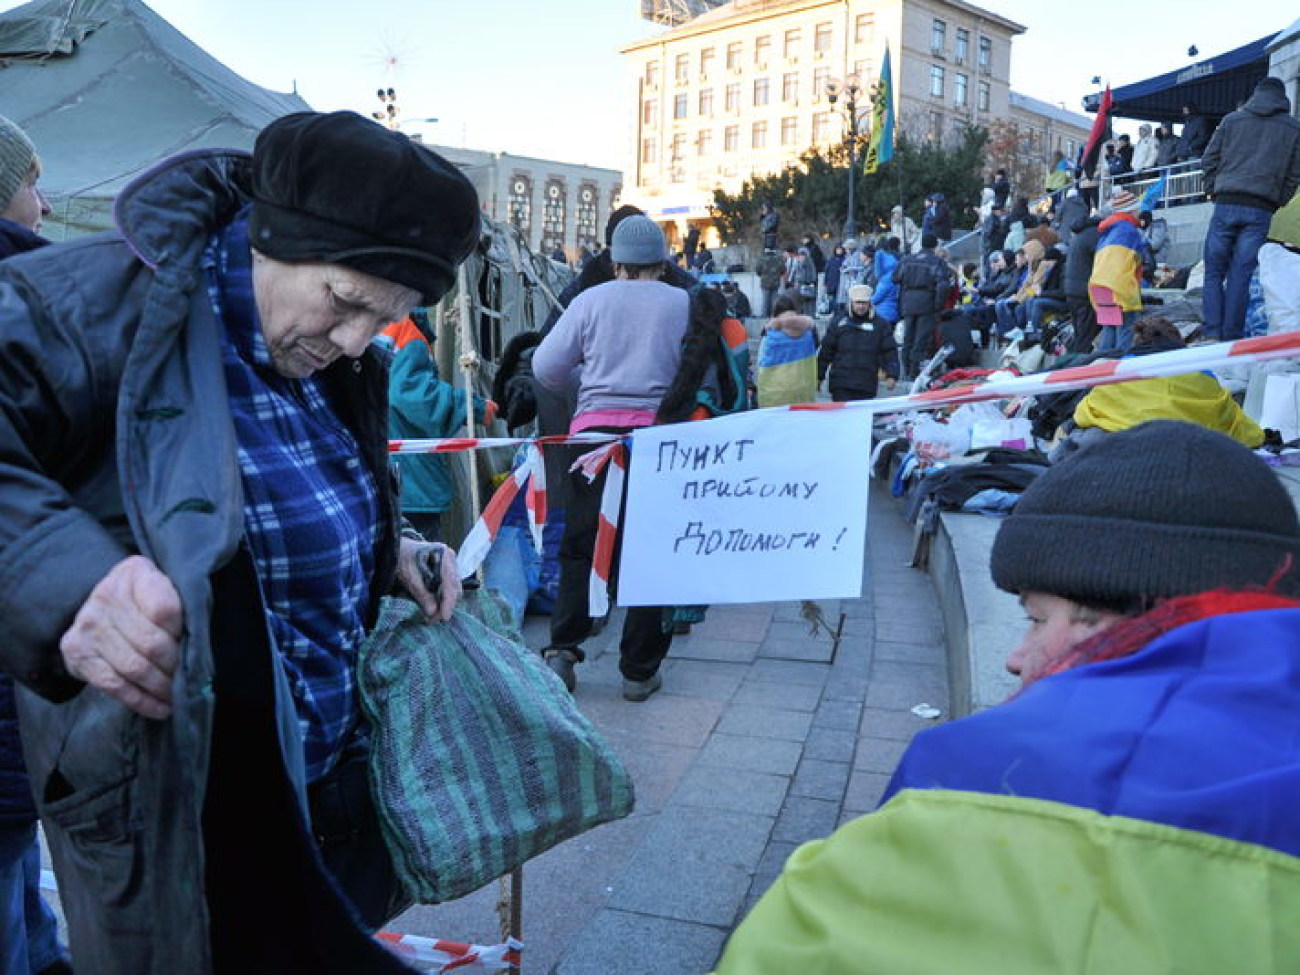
(1216, 86)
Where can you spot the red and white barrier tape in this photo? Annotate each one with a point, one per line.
(613, 456)
(450, 445)
(530, 477)
(1102, 372)
(532, 472)
(453, 956)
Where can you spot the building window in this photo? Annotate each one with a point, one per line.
(960, 82)
(731, 138)
(758, 136)
(733, 56)
(585, 219)
(760, 91)
(865, 70)
(789, 131)
(682, 69)
(822, 39)
(985, 91)
(790, 87)
(790, 47)
(936, 81)
(706, 63)
(939, 37)
(762, 50)
(961, 50)
(554, 225)
(652, 74)
(649, 151)
(706, 102)
(986, 54)
(821, 128)
(650, 112)
(864, 27)
(679, 105)
(732, 98)
(936, 125)
(821, 77)
(704, 142)
(519, 206)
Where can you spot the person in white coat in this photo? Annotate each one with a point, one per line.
(1146, 149)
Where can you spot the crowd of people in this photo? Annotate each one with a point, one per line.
(1063, 266)
(200, 522)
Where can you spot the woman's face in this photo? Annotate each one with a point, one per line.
(29, 206)
(313, 313)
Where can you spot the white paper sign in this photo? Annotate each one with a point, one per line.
(749, 508)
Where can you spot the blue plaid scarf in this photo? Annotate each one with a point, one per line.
(311, 509)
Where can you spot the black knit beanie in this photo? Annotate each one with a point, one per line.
(1163, 509)
(343, 189)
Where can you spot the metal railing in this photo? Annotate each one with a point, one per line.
(1186, 183)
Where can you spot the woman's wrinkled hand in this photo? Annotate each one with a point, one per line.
(437, 605)
(125, 639)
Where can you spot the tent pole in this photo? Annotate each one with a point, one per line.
(510, 901)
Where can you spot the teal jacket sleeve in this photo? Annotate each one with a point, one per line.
(420, 401)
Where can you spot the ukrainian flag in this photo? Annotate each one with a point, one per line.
(1130, 817)
(787, 369)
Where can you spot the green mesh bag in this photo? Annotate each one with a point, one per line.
(480, 758)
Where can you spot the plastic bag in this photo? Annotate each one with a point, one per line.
(934, 442)
(512, 569)
(990, 428)
(480, 758)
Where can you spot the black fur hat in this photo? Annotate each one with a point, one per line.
(342, 189)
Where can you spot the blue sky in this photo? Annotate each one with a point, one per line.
(545, 78)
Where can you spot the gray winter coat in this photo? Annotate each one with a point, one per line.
(1253, 159)
(114, 440)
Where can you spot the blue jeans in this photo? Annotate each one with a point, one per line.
(1231, 252)
(1118, 337)
(1039, 308)
(29, 938)
(1010, 315)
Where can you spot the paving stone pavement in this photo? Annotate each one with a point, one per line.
(765, 735)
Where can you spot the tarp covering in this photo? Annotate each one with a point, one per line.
(1216, 86)
(107, 88)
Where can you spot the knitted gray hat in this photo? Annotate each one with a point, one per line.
(1163, 509)
(17, 157)
(638, 240)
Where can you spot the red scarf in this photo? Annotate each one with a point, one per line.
(1129, 636)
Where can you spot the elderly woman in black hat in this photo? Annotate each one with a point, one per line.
(198, 523)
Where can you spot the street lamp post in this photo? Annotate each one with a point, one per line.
(851, 89)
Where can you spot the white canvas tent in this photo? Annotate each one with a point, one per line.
(107, 88)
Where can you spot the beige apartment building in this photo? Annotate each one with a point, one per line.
(742, 90)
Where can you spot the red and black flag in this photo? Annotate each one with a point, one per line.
(1097, 137)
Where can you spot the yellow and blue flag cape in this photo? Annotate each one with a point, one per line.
(1137, 815)
(787, 369)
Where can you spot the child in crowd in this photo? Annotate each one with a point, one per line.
(787, 357)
